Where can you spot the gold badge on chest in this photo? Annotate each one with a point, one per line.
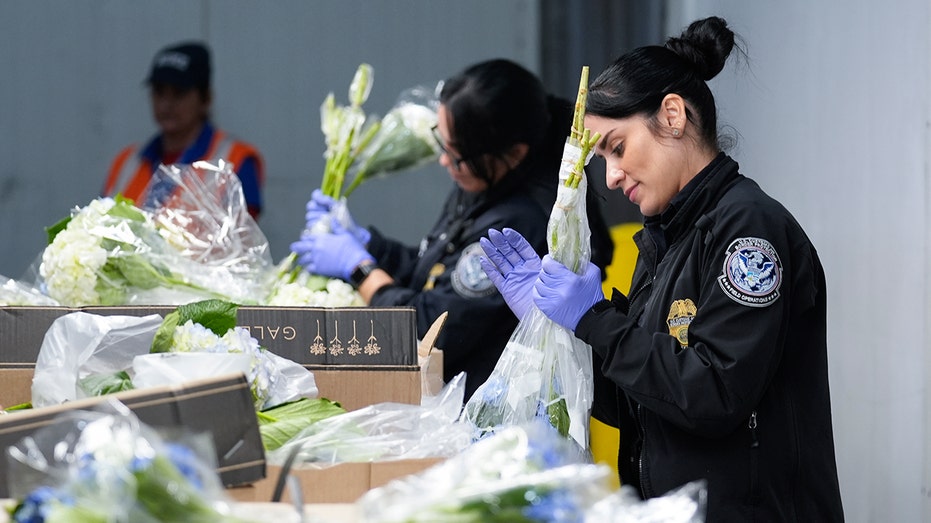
(681, 314)
(435, 272)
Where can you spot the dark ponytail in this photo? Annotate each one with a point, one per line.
(637, 82)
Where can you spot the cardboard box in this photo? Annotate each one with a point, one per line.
(359, 355)
(355, 336)
(221, 406)
(339, 483)
(354, 388)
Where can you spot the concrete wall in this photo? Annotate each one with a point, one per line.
(71, 94)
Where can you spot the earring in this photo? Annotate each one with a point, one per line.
(675, 131)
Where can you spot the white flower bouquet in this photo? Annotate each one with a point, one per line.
(544, 370)
(359, 147)
(522, 473)
(108, 253)
(197, 243)
(294, 286)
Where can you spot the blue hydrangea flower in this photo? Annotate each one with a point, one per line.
(184, 459)
(38, 505)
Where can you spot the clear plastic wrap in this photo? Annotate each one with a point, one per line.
(521, 473)
(105, 465)
(202, 213)
(544, 370)
(198, 243)
(18, 293)
(384, 431)
(403, 138)
(686, 504)
(80, 346)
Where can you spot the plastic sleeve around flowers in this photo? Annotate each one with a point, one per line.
(103, 464)
(382, 432)
(204, 218)
(545, 371)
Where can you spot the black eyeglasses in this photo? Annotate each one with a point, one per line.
(457, 161)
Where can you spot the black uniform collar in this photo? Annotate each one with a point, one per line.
(697, 195)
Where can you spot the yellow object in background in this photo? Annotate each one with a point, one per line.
(621, 269)
(605, 439)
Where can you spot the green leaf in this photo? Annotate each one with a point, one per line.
(162, 341)
(279, 424)
(217, 315)
(100, 384)
(125, 208)
(167, 495)
(53, 230)
(138, 272)
(559, 416)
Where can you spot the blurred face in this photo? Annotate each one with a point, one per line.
(650, 170)
(178, 112)
(457, 166)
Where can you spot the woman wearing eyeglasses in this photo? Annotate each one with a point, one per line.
(502, 138)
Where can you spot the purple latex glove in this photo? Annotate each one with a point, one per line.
(321, 207)
(512, 265)
(335, 254)
(564, 296)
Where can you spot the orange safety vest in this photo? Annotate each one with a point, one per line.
(130, 173)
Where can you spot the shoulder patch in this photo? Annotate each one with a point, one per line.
(752, 272)
(469, 279)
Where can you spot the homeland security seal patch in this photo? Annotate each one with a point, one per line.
(469, 279)
(752, 272)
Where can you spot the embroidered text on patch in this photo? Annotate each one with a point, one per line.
(752, 272)
(469, 279)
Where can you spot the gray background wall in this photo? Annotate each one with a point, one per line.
(831, 111)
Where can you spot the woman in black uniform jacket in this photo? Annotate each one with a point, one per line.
(502, 138)
(715, 366)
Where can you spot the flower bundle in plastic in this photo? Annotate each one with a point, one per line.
(86, 355)
(544, 370)
(105, 465)
(522, 473)
(197, 243)
(359, 147)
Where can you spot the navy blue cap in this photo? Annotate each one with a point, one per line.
(184, 66)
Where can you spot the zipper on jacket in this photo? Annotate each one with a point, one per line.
(754, 440)
(633, 296)
(754, 472)
(645, 493)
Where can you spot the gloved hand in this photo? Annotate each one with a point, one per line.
(335, 254)
(320, 207)
(564, 296)
(512, 265)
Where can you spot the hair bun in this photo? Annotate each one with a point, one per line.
(705, 44)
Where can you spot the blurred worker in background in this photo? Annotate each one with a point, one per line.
(181, 95)
(502, 138)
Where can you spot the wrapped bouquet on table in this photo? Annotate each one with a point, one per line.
(198, 242)
(105, 465)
